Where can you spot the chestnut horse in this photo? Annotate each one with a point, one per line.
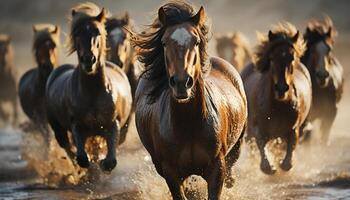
(190, 110)
(235, 48)
(91, 99)
(8, 85)
(278, 88)
(32, 84)
(120, 50)
(326, 73)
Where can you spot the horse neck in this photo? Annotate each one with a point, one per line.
(92, 83)
(190, 114)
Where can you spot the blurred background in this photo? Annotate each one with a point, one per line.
(320, 172)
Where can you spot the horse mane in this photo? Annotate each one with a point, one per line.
(150, 49)
(286, 31)
(83, 13)
(44, 32)
(234, 38)
(318, 30)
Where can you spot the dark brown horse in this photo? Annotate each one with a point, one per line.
(32, 84)
(190, 109)
(278, 88)
(8, 85)
(91, 99)
(326, 73)
(122, 53)
(235, 48)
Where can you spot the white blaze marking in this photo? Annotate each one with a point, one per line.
(181, 36)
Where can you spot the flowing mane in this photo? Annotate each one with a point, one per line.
(150, 49)
(285, 32)
(81, 14)
(44, 32)
(318, 30)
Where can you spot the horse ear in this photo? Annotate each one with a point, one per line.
(126, 18)
(271, 36)
(295, 37)
(34, 28)
(55, 30)
(102, 16)
(200, 17)
(329, 33)
(73, 12)
(162, 16)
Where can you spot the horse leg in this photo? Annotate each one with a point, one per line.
(264, 164)
(3, 114)
(215, 178)
(61, 136)
(305, 131)
(124, 130)
(292, 139)
(15, 111)
(82, 158)
(231, 158)
(326, 124)
(110, 161)
(174, 182)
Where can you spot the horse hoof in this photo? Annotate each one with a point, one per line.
(83, 161)
(108, 165)
(229, 181)
(286, 166)
(267, 169)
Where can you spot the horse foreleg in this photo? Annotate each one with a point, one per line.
(292, 139)
(305, 131)
(326, 124)
(82, 158)
(15, 111)
(264, 163)
(124, 130)
(174, 182)
(215, 178)
(231, 158)
(110, 161)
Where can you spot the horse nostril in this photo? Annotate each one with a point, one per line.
(326, 74)
(189, 82)
(172, 81)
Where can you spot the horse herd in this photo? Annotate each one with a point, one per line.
(192, 111)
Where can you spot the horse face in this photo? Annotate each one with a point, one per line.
(282, 70)
(120, 45)
(88, 43)
(46, 53)
(182, 54)
(320, 61)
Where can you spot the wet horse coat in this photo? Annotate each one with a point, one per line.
(190, 114)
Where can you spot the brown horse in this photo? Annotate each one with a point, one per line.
(326, 73)
(278, 88)
(92, 99)
(32, 84)
(120, 50)
(8, 85)
(234, 47)
(190, 110)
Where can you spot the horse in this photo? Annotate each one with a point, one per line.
(234, 47)
(8, 85)
(31, 89)
(191, 110)
(326, 74)
(278, 88)
(122, 53)
(93, 98)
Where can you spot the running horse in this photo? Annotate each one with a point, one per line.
(92, 99)
(278, 88)
(326, 74)
(32, 84)
(8, 86)
(191, 110)
(234, 47)
(122, 53)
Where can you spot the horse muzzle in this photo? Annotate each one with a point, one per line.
(322, 78)
(181, 88)
(281, 91)
(88, 63)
